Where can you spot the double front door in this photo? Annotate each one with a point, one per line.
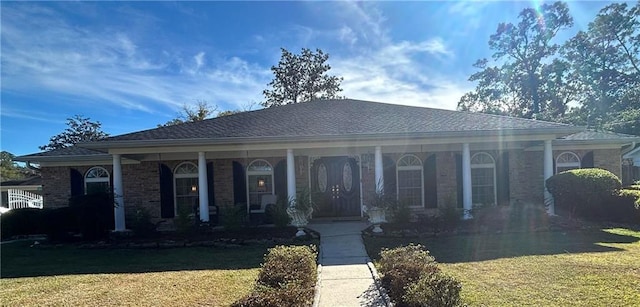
(335, 187)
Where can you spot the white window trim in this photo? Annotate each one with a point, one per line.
(258, 173)
(575, 165)
(486, 165)
(176, 176)
(96, 179)
(410, 168)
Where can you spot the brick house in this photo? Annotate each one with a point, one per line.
(338, 149)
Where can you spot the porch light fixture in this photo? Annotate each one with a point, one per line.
(194, 188)
(260, 182)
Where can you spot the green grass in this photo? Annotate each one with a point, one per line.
(592, 268)
(70, 276)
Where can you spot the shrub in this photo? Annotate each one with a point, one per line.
(624, 207)
(435, 290)
(94, 214)
(583, 192)
(24, 221)
(278, 213)
(184, 221)
(401, 212)
(450, 215)
(289, 264)
(402, 266)
(139, 221)
(287, 278)
(288, 295)
(233, 217)
(60, 222)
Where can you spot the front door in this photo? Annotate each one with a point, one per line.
(335, 186)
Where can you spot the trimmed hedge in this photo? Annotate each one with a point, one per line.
(287, 278)
(90, 215)
(435, 290)
(412, 278)
(583, 192)
(624, 207)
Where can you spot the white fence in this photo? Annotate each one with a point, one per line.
(24, 199)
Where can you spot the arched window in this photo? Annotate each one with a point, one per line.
(96, 180)
(259, 181)
(566, 161)
(185, 180)
(483, 179)
(409, 178)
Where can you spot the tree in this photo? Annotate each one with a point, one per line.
(523, 54)
(9, 170)
(80, 129)
(202, 111)
(605, 67)
(301, 78)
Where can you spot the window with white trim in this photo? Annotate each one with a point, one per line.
(259, 181)
(410, 180)
(483, 179)
(567, 161)
(96, 180)
(185, 187)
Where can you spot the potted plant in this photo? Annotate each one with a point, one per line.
(377, 210)
(300, 210)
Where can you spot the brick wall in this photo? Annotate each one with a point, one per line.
(142, 186)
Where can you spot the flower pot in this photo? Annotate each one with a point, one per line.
(376, 217)
(299, 219)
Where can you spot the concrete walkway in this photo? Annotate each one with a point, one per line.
(345, 277)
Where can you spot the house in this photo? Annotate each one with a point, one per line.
(342, 150)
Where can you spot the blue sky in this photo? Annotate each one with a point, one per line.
(133, 65)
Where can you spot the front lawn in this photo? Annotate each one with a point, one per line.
(578, 268)
(69, 276)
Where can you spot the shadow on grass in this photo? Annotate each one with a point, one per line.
(20, 260)
(469, 248)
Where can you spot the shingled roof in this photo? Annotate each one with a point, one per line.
(337, 118)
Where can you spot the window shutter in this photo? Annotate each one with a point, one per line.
(76, 182)
(280, 179)
(587, 160)
(166, 192)
(459, 179)
(502, 172)
(389, 173)
(239, 184)
(430, 182)
(210, 179)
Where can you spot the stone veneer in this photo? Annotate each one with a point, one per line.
(142, 187)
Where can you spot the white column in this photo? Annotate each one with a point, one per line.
(203, 187)
(291, 175)
(466, 181)
(379, 170)
(118, 198)
(548, 172)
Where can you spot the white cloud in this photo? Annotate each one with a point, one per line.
(41, 51)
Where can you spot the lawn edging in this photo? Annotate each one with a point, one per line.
(378, 283)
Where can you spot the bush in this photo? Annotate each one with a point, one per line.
(583, 192)
(233, 217)
(289, 264)
(435, 290)
(139, 221)
(60, 222)
(287, 278)
(288, 295)
(277, 214)
(624, 207)
(24, 221)
(403, 266)
(401, 212)
(94, 214)
(450, 216)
